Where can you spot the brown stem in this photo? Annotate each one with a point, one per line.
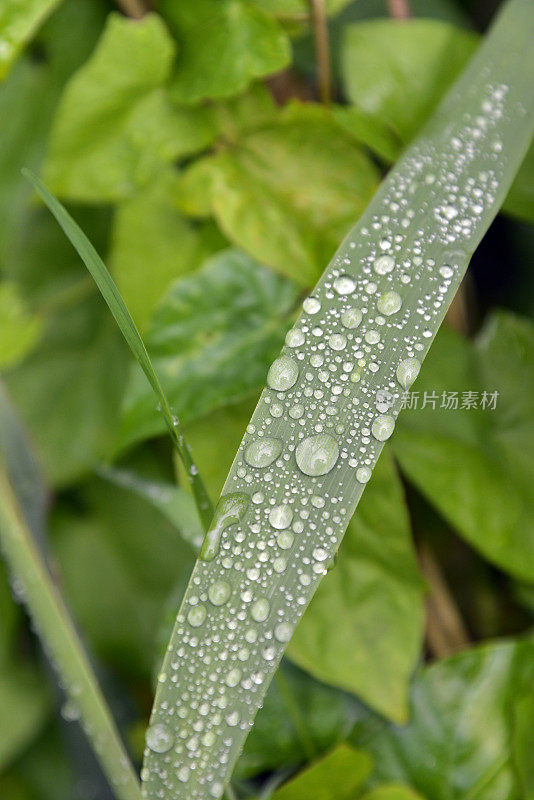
(445, 629)
(136, 9)
(399, 9)
(322, 49)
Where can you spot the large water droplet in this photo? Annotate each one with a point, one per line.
(407, 371)
(344, 285)
(382, 427)
(230, 510)
(351, 318)
(295, 337)
(260, 610)
(311, 305)
(383, 265)
(263, 452)
(196, 616)
(282, 374)
(219, 592)
(337, 341)
(159, 738)
(363, 474)
(389, 303)
(283, 632)
(280, 516)
(316, 455)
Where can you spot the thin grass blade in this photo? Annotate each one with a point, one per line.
(330, 403)
(21, 512)
(117, 306)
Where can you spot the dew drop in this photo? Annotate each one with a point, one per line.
(382, 427)
(283, 374)
(260, 610)
(316, 455)
(219, 592)
(351, 318)
(283, 632)
(196, 616)
(337, 341)
(159, 738)
(285, 539)
(280, 516)
(389, 303)
(311, 305)
(407, 371)
(363, 474)
(230, 510)
(233, 677)
(446, 272)
(383, 265)
(295, 337)
(344, 285)
(263, 452)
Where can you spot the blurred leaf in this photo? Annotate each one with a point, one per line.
(19, 327)
(42, 772)
(286, 9)
(399, 71)
(69, 389)
(370, 131)
(215, 439)
(375, 595)
(523, 743)
(9, 618)
(24, 707)
(286, 192)
(173, 502)
(136, 555)
(19, 19)
(212, 339)
(152, 239)
(337, 776)
(392, 791)
(520, 199)
(114, 127)
(459, 740)
(300, 720)
(477, 466)
(222, 46)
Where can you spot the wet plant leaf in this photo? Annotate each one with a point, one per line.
(18, 23)
(212, 338)
(476, 464)
(320, 425)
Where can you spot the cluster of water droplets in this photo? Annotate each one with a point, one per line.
(331, 402)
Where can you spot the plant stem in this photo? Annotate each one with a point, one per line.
(322, 49)
(136, 9)
(63, 644)
(445, 630)
(399, 9)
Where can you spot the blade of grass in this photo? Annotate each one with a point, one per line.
(62, 643)
(320, 425)
(118, 308)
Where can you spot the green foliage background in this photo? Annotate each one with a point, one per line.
(217, 193)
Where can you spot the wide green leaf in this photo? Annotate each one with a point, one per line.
(114, 127)
(459, 741)
(476, 463)
(392, 791)
(25, 704)
(336, 776)
(107, 537)
(19, 327)
(397, 72)
(523, 742)
(281, 194)
(151, 237)
(375, 596)
(300, 720)
(211, 339)
(301, 470)
(223, 45)
(19, 19)
(69, 389)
